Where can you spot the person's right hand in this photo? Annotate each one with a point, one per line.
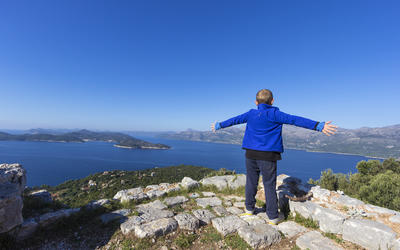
(213, 127)
(329, 129)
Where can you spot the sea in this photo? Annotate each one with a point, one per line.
(53, 163)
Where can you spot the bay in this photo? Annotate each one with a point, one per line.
(52, 163)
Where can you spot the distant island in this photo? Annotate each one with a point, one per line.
(381, 142)
(121, 140)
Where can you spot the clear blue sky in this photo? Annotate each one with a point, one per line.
(173, 65)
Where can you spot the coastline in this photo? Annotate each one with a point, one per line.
(127, 147)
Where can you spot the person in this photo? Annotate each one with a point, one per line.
(263, 144)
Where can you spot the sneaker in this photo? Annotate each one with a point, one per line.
(247, 213)
(276, 221)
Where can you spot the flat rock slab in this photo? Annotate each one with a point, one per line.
(321, 193)
(239, 204)
(234, 210)
(290, 228)
(204, 216)
(210, 201)
(347, 201)
(187, 221)
(220, 211)
(120, 214)
(155, 193)
(315, 241)
(220, 182)
(379, 210)
(97, 204)
(228, 224)
(208, 194)
(260, 235)
(157, 204)
(188, 182)
(253, 220)
(173, 201)
(369, 234)
(395, 219)
(233, 198)
(129, 225)
(151, 214)
(156, 228)
(329, 220)
(305, 209)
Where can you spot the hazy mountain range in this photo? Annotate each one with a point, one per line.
(381, 142)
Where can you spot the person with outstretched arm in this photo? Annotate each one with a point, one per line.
(263, 144)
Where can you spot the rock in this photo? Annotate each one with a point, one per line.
(173, 201)
(120, 214)
(329, 220)
(157, 204)
(187, 221)
(228, 224)
(135, 194)
(238, 181)
(395, 219)
(290, 228)
(321, 193)
(239, 204)
(156, 228)
(305, 209)
(234, 210)
(194, 195)
(204, 216)
(233, 198)
(253, 220)
(369, 234)
(379, 210)
(28, 227)
(155, 193)
(173, 188)
(150, 214)
(51, 217)
(220, 182)
(208, 194)
(129, 225)
(43, 195)
(347, 201)
(153, 187)
(396, 245)
(97, 204)
(188, 182)
(260, 235)
(12, 184)
(315, 241)
(164, 185)
(220, 211)
(210, 201)
(227, 203)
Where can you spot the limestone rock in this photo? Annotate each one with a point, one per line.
(187, 221)
(260, 235)
(120, 214)
(210, 201)
(228, 224)
(208, 194)
(173, 201)
(290, 228)
(321, 193)
(157, 204)
(155, 193)
(97, 204)
(156, 228)
(220, 211)
(220, 182)
(330, 221)
(150, 214)
(238, 181)
(135, 194)
(51, 217)
(369, 234)
(194, 195)
(129, 225)
(233, 198)
(28, 227)
(379, 210)
(239, 204)
(204, 216)
(253, 220)
(315, 241)
(395, 219)
(347, 201)
(305, 209)
(43, 195)
(12, 184)
(234, 210)
(188, 182)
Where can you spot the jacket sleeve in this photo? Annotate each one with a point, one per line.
(235, 120)
(298, 121)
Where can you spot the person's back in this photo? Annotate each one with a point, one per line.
(263, 144)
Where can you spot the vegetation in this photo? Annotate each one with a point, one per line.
(185, 240)
(306, 222)
(235, 242)
(375, 182)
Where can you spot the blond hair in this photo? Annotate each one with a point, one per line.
(264, 96)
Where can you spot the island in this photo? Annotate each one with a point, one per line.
(119, 139)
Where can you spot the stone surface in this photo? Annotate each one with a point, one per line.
(290, 228)
(238, 181)
(157, 204)
(156, 228)
(321, 193)
(173, 201)
(126, 195)
(369, 234)
(329, 220)
(120, 214)
(188, 182)
(149, 214)
(42, 194)
(305, 209)
(315, 241)
(51, 217)
(234, 210)
(208, 194)
(220, 182)
(194, 195)
(155, 193)
(97, 204)
(28, 227)
(379, 210)
(233, 198)
(347, 201)
(187, 221)
(228, 224)
(209, 201)
(239, 204)
(12, 184)
(220, 211)
(204, 216)
(260, 235)
(253, 220)
(129, 225)
(395, 219)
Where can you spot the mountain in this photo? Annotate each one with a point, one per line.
(120, 139)
(383, 142)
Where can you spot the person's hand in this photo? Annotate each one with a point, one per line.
(329, 129)
(215, 126)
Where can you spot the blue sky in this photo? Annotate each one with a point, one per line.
(173, 65)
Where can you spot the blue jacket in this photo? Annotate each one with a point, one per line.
(264, 127)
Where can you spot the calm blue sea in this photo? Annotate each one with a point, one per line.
(53, 163)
